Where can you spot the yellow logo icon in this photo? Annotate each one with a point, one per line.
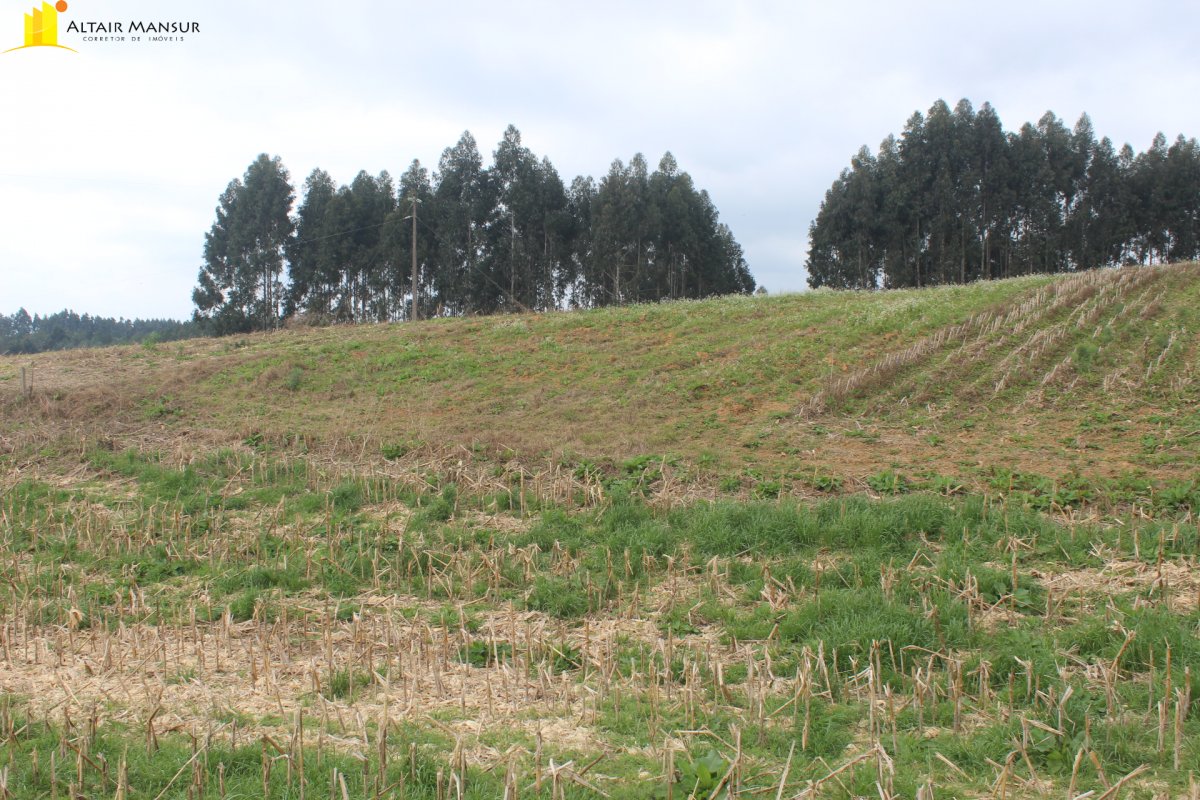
(41, 27)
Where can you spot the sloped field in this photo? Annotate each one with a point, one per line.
(832, 545)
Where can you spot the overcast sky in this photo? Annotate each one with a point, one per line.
(112, 159)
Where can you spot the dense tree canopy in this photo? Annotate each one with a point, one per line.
(239, 287)
(507, 237)
(956, 199)
(22, 333)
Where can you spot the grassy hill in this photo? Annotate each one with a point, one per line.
(831, 545)
(1090, 376)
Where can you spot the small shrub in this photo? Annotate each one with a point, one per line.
(852, 619)
(735, 673)
(163, 406)
(342, 682)
(698, 778)
(452, 619)
(346, 611)
(484, 654)
(340, 582)
(588, 472)
(946, 485)
(1177, 496)
(398, 450)
(260, 578)
(242, 607)
(830, 729)
(564, 657)
(644, 470)
(1085, 356)
(346, 497)
(888, 482)
(678, 621)
(768, 490)
(562, 597)
(440, 509)
(293, 379)
(825, 483)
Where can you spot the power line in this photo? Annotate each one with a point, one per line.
(340, 233)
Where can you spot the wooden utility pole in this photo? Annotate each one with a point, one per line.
(415, 315)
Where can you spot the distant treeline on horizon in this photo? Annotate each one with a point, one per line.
(21, 333)
(956, 199)
(508, 237)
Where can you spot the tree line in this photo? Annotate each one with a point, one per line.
(22, 333)
(957, 199)
(510, 236)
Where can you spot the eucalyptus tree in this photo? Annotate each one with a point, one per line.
(458, 212)
(677, 240)
(366, 264)
(406, 295)
(526, 227)
(622, 221)
(312, 268)
(956, 199)
(238, 286)
(1181, 195)
(1148, 180)
(575, 273)
(834, 258)
(997, 197)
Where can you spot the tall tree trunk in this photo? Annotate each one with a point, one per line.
(962, 247)
(917, 260)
